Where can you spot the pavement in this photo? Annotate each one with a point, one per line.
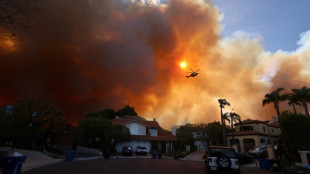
(37, 159)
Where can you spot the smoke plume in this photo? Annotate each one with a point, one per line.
(89, 55)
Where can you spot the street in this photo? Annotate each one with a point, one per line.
(131, 166)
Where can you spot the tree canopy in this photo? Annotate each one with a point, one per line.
(31, 116)
(295, 129)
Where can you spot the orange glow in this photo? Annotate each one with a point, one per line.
(183, 64)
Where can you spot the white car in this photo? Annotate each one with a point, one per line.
(222, 159)
(141, 150)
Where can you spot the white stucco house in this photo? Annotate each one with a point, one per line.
(147, 134)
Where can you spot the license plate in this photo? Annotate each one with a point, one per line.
(213, 168)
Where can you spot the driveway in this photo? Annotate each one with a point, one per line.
(131, 166)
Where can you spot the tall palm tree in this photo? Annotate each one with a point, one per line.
(232, 117)
(303, 95)
(223, 103)
(293, 100)
(275, 97)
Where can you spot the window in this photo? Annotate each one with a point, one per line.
(264, 128)
(246, 128)
(153, 132)
(272, 130)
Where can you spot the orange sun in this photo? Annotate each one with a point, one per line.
(183, 64)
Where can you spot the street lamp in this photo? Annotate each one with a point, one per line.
(267, 122)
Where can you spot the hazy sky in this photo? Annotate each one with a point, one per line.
(278, 22)
(89, 55)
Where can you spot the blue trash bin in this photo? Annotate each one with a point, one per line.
(70, 155)
(264, 163)
(12, 165)
(306, 168)
(154, 154)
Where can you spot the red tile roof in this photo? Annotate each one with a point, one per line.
(150, 124)
(250, 121)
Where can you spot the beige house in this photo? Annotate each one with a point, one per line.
(252, 133)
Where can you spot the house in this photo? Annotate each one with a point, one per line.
(252, 133)
(147, 134)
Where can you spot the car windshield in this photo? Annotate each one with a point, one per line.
(226, 152)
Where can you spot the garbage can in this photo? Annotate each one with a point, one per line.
(306, 168)
(70, 155)
(159, 154)
(154, 154)
(12, 165)
(264, 163)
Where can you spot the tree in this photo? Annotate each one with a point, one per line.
(232, 117)
(17, 12)
(37, 115)
(207, 134)
(223, 103)
(185, 135)
(295, 130)
(96, 131)
(275, 97)
(303, 95)
(293, 100)
(120, 133)
(107, 113)
(126, 111)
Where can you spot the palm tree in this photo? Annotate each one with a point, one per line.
(223, 103)
(303, 95)
(293, 100)
(232, 117)
(275, 97)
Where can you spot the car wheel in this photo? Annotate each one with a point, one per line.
(223, 162)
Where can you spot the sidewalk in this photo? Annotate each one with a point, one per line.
(36, 159)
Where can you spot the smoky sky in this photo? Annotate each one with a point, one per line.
(89, 55)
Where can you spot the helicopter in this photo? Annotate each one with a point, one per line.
(193, 73)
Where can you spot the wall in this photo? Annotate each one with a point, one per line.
(136, 128)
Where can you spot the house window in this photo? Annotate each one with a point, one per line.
(246, 128)
(153, 132)
(272, 130)
(264, 128)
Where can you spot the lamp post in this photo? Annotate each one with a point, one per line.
(267, 122)
(270, 148)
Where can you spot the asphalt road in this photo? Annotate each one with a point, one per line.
(130, 166)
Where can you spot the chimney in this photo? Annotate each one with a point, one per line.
(174, 130)
(274, 119)
(154, 119)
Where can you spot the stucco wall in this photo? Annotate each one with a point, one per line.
(136, 128)
(260, 127)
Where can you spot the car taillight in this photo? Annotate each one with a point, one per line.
(237, 162)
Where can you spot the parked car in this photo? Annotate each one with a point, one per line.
(141, 150)
(127, 151)
(259, 152)
(244, 159)
(221, 159)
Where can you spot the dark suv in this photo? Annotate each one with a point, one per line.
(222, 159)
(127, 151)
